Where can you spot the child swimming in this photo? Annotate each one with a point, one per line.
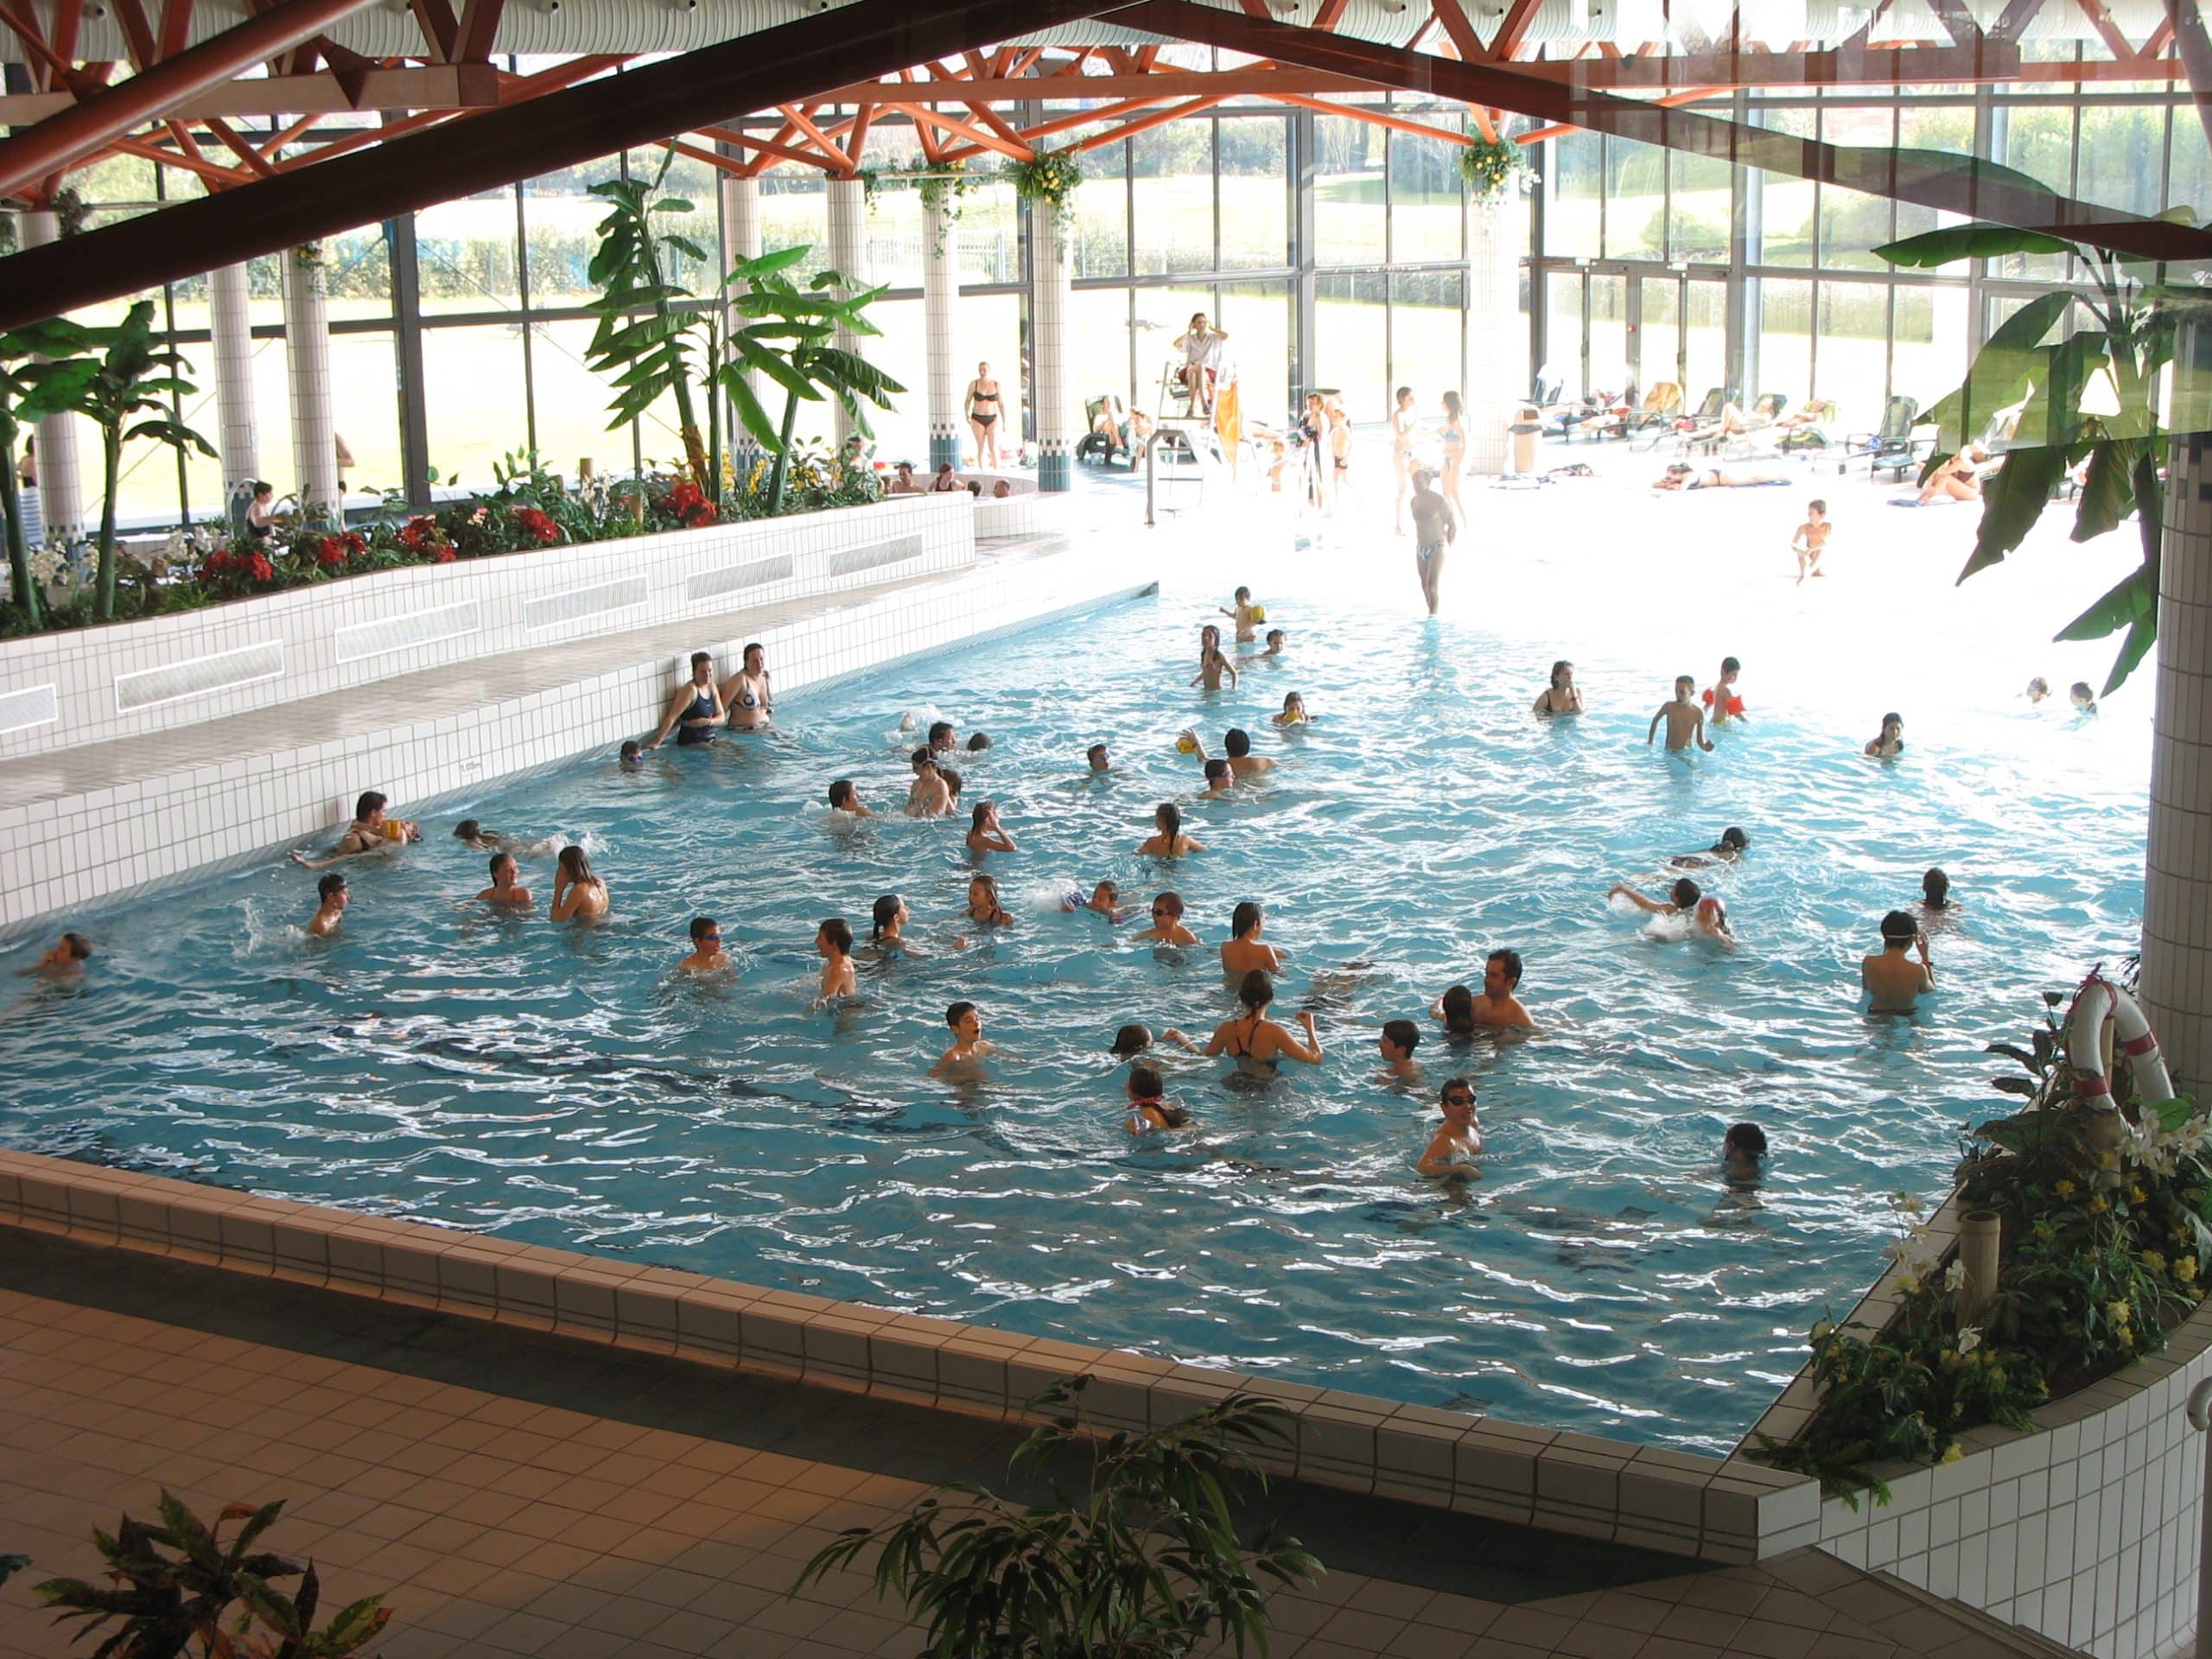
(1459, 1140)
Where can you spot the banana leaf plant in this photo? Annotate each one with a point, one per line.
(133, 375)
(785, 334)
(2089, 395)
(172, 1587)
(43, 371)
(646, 325)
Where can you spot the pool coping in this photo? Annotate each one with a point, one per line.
(1722, 1511)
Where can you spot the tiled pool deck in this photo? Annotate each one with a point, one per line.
(523, 1493)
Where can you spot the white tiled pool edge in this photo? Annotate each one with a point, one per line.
(2084, 1529)
(1666, 1501)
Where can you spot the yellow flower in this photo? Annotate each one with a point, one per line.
(2135, 1195)
(2154, 1261)
(1953, 1452)
(2185, 1269)
(1907, 1284)
(2064, 1189)
(2097, 1205)
(2118, 1313)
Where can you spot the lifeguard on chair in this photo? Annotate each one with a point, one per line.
(1201, 348)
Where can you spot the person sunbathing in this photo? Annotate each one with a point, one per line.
(1682, 476)
(1956, 478)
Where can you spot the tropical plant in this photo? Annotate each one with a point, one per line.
(170, 1602)
(649, 356)
(31, 390)
(133, 375)
(1144, 1564)
(1050, 177)
(787, 334)
(2091, 397)
(1494, 169)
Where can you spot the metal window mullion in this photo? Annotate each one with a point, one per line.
(522, 299)
(407, 336)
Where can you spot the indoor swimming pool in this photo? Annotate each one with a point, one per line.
(560, 1086)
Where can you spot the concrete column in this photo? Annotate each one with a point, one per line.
(307, 343)
(2177, 875)
(1048, 264)
(1495, 379)
(848, 257)
(60, 480)
(230, 321)
(940, 301)
(740, 240)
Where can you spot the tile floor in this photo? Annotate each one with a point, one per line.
(518, 1494)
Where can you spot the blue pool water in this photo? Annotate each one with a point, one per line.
(557, 1086)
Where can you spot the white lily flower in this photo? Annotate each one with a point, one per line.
(1969, 1339)
(1955, 1275)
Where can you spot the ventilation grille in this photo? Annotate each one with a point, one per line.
(34, 705)
(735, 578)
(556, 610)
(197, 677)
(393, 633)
(876, 553)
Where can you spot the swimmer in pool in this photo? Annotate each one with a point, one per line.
(1721, 697)
(1276, 640)
(1237, 744)
(1134, 1039)
(1399, 1039)
(746, 695)
(844, 797)
(70, 953)
(931, 796)
(969, 1051)
(887, 924)
(1167, 922)
(1171, 842)
(335, 896)
(983, 903)
(1096, 759)
(2038, 689)
(1681, 899)
(978, 741)
(2084, 698)
(1935, 901)
(1890, 743)
(1245, 617)
(696, 709)
(1105, 899)
(1562, 696)
(633, 754)
(1212, 664)
(504, 893)
(1497, 1006)
(1459, 1140)
(833, 942)
(1455, 1009)
(1293, 710)
(1243, 952)
(942, 739)
(985, 833)
(1148, 1112)
(1685, 720)
(1255, 1041)
(372, 831)
(1436, 526)
(707, 955)
(1710, 920)
(1741, 1150)
(1220, 780)
(491, 840)
(1894, 982)
(579, 895)
(1732, 845)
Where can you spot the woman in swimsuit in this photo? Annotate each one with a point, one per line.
(1956, 478)
(1244, 953)
(1402, 422)
(1562, 696)
(1890, 743)
(1455, 447)
(578, 895)
(1171, 842)
(1339, 453)
(1313, 428)
(747, 695)
(1255, 1041)
(889, 918)
(983, 405)
(696, 709)
(1213, 661)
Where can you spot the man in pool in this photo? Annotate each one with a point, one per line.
(1167, 922)
(1721, 697)
(1732, 845)
(931, 796)
(333, 893)
(943, 738)
(707, 955)
(969, 1051)
(1399, 1039)
(696, 709)
(1459, 1140)
(372, 831)
(65, 961)
(1096, 757)
(504, 893)
(1497, 1005)
(1893, 982)
(1741, 1150)
(1435, 528)
(1219, 778)
(1685, 720)
(1237, 744)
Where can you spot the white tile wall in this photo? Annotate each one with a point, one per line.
(319, 628)
(1498, 340)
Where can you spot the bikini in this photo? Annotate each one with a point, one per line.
(746, 700)
(979, 395)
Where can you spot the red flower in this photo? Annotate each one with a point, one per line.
(329, 551)
(532, 521)
(703, 514)
(215, 563)
(259, 569)
(441, 554)
(357, 545)
(416, 532)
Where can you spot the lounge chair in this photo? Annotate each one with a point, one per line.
(1099, 447)
(1661, 404)
(1811, 427)
(1894, 447)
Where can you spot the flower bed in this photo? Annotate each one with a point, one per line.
(2103, 1244)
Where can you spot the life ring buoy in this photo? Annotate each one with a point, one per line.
(2098, 1001)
